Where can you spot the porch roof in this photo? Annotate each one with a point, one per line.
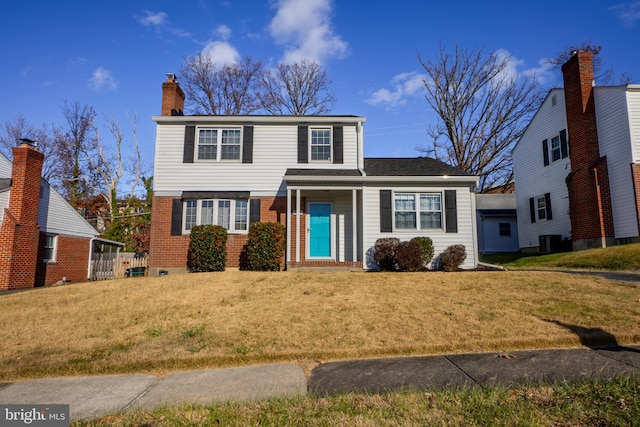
(414, 166)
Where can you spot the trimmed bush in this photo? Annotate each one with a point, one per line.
(409, 256)
(385, 253)
(427, 249)
(453, 257)
(266, 246)
(207, 248)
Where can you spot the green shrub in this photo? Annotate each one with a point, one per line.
(409, 256)
(385, 253)
(207, 248)
(265, 246)
(453, 257)
(427, 249)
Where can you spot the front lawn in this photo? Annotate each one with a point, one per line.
(205, 320)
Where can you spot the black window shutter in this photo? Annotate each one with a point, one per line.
(303, 144)
(176, 217)
(547, 204)
(532, 209)
(386, 220)
(564, 147)
(247, 144)
(451, 211)
(189, 141)
(545, 152)
(338, 145)
(254, 211)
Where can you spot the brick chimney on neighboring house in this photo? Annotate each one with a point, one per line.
(172, 97)
(588, 186)
(20, 233)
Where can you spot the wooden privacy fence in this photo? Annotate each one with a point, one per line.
(126, 265)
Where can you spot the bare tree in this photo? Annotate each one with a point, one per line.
(299, 89)
(73, 142)
(602, 76)
(18, 128)
(229, 89)
(483, 107)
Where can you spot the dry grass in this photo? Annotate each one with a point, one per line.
(162, 324)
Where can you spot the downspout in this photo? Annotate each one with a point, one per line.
(359, 131)
(603, 239)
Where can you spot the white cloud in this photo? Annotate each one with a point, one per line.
(221, 52)
(405, 85)
(223, 32)
(304, 28)
(628, 13)
(102, 79)
(152, 19)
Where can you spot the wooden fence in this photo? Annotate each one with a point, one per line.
(126, 265)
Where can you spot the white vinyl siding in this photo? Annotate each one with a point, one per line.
(614, 139)
(466, 234)
(533, 178)
(274, 151)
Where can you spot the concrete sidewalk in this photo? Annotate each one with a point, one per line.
(93, 397)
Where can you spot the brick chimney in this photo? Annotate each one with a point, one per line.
(172, 97)
(589, 195)
(20, 233)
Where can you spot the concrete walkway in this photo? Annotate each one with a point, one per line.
(93, 397)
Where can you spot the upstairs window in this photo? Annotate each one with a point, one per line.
(556, 154)
(219, 144)
(320, 145)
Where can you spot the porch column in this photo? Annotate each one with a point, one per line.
(354, 213)
(288, 225)
(298, 225)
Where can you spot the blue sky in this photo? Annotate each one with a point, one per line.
(114, 55)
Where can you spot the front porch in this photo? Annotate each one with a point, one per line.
(324, 228)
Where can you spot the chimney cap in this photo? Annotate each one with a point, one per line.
(29, 142)
(171, 77)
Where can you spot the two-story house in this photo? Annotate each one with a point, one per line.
(577, 166)
(306, 172)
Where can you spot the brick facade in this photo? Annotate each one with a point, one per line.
(167, 252)
(20, 233)
(589, 195)
(72, 261)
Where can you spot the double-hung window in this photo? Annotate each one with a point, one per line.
(219, 144)
(228, 213)
(50, 248)
(556, 153)
(418, 211)
(320, 145)
(541, 207)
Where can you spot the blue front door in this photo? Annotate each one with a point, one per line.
(320, 229)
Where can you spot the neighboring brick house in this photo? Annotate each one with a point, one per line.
(306, 172)
(43, 240)
(577, 166)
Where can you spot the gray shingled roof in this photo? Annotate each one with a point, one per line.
(322, 172)
(416, 166)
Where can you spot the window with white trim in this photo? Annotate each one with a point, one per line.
(418, 211)
(50, 247)
(556, 153)
(228, 213)
(320, 145)
(219, 144)
(541, 207)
